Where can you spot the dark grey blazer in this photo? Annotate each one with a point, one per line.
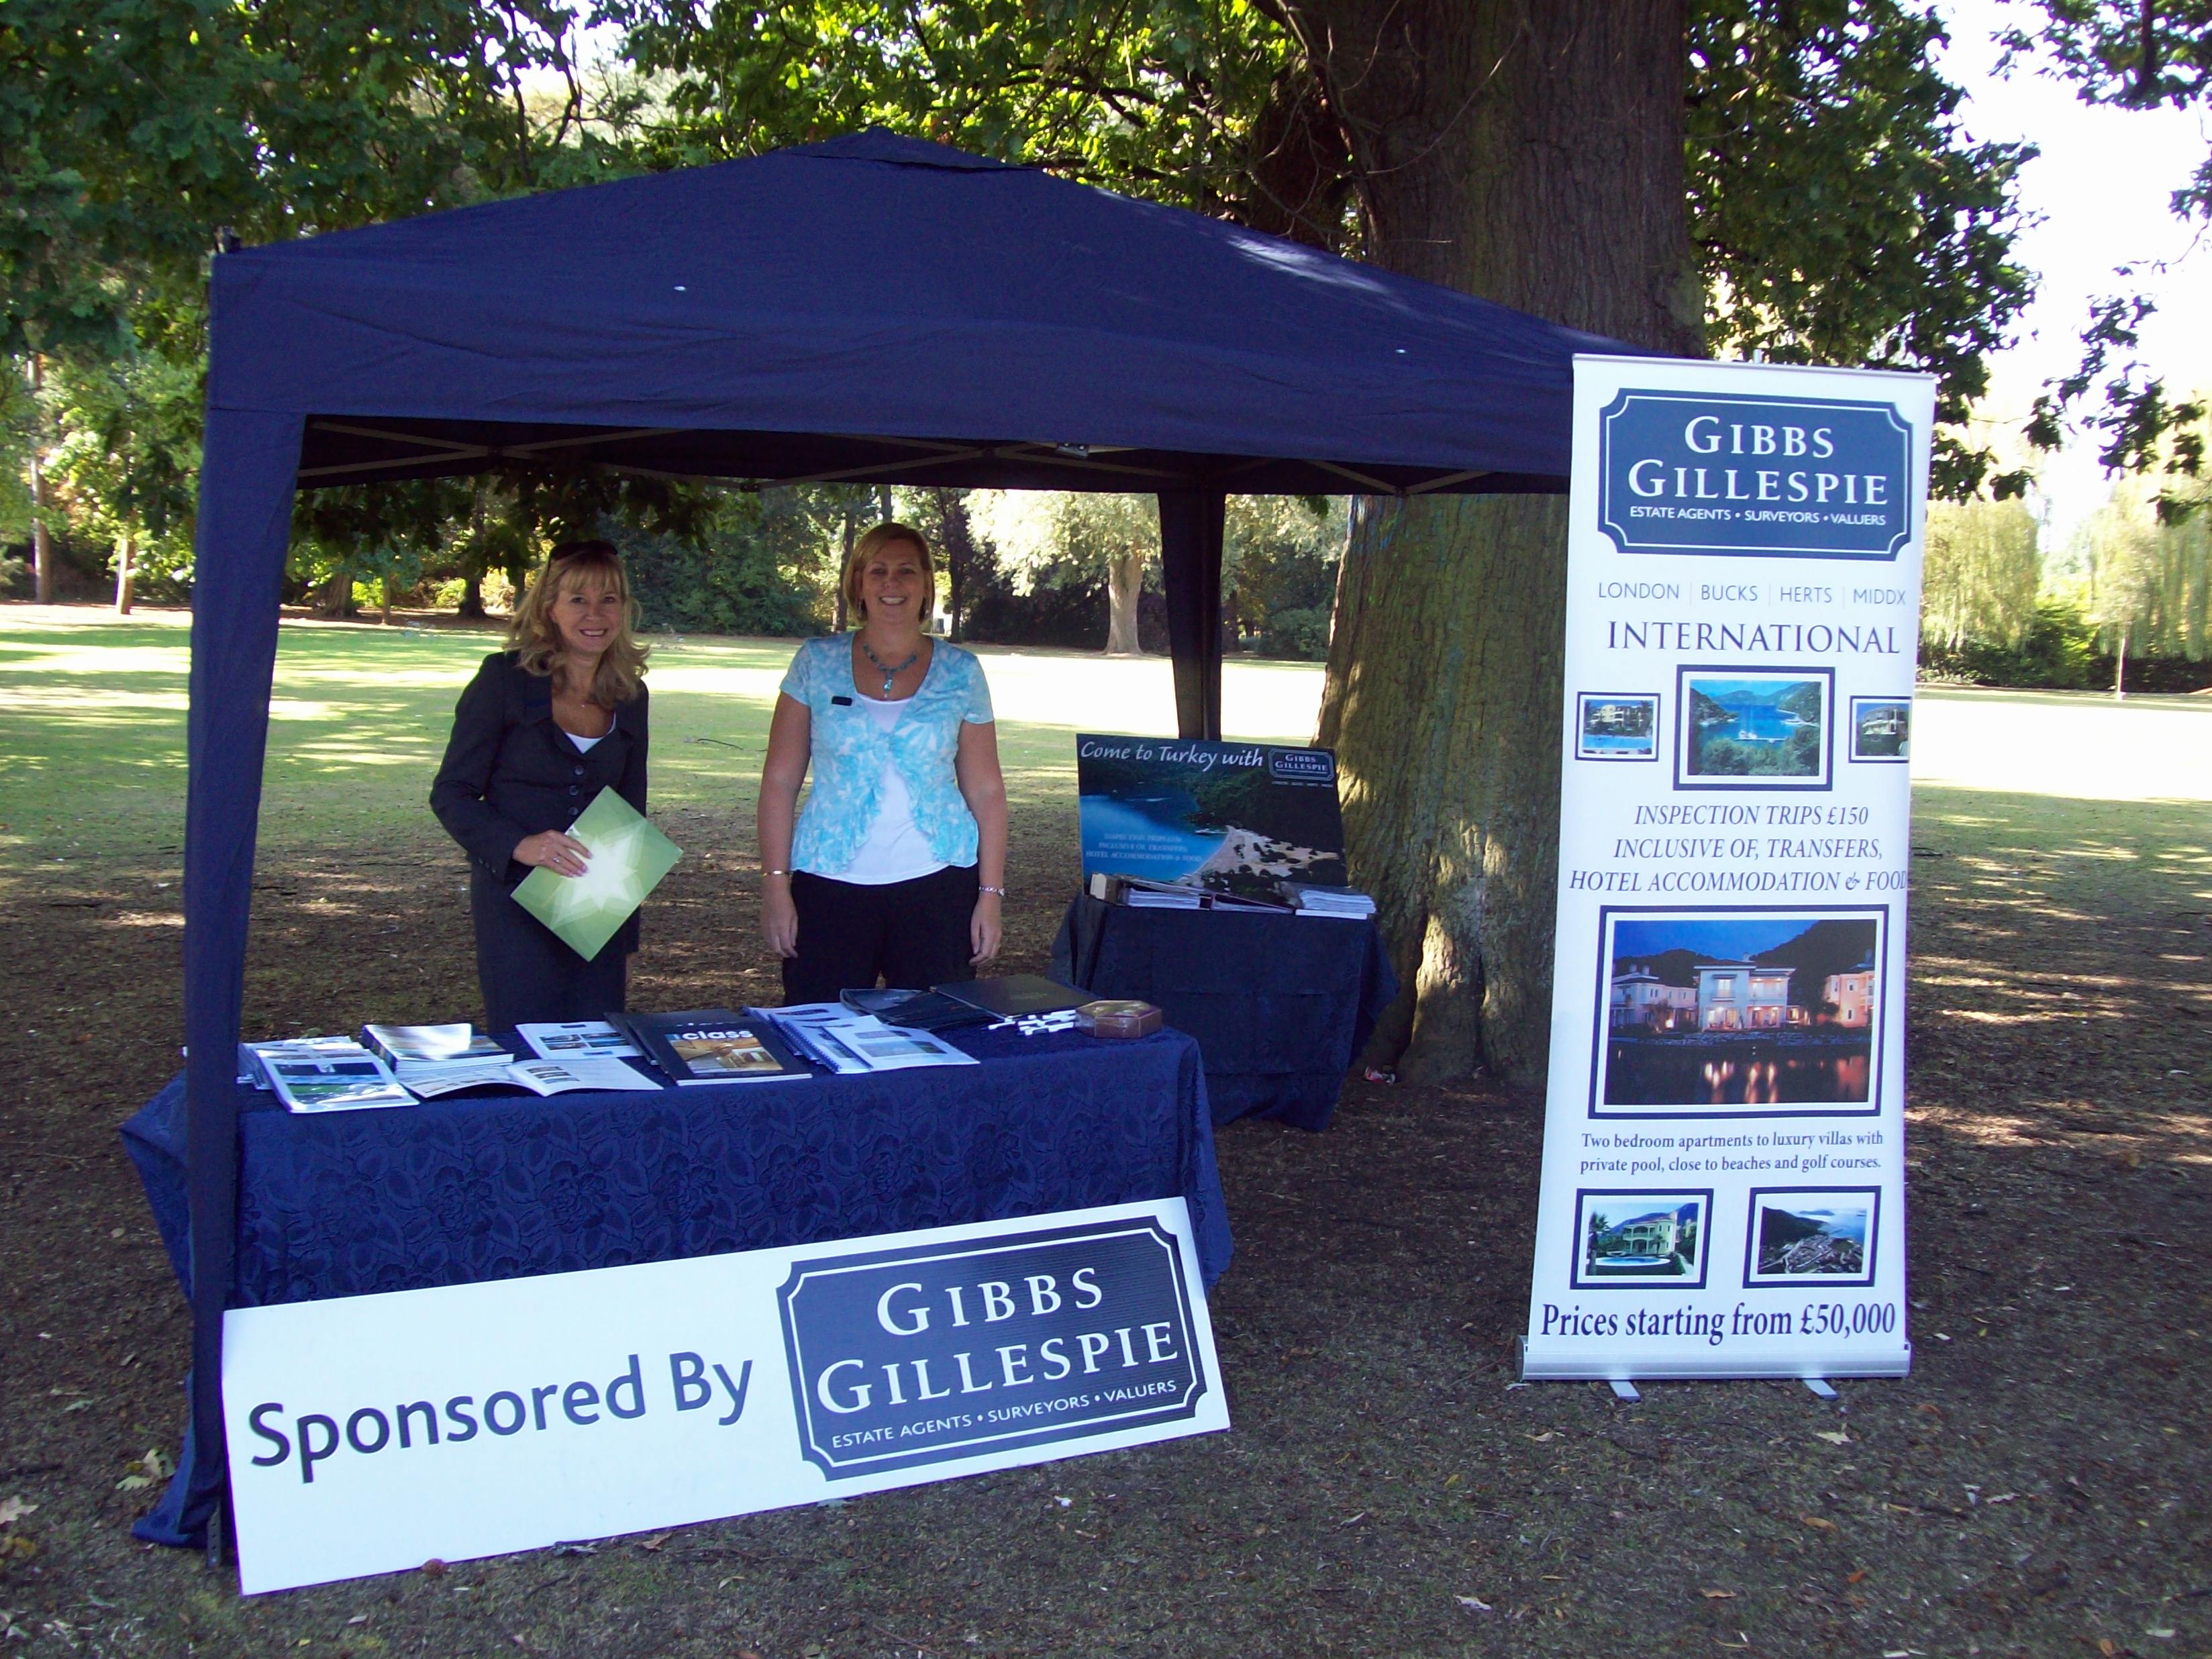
(510, 772)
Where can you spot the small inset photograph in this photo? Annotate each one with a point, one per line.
(1738, 1010)
(1754, 728)
(1617, 725)
(1801, 1235)
(1641, 1238)
(1882, 728)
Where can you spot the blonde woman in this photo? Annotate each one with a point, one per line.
(557, 716)
(897, 869)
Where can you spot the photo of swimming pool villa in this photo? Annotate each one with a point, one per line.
(1617, 728)
(1742, 1010)
(1641, 1238)
(1882, 728)
(1754, 728)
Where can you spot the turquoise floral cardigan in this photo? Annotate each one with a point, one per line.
(849, 750)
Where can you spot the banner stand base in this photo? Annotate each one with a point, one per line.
(1820, 1387)
(1624, 1390)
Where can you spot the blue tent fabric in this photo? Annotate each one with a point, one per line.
(872, 308)
(758, 318)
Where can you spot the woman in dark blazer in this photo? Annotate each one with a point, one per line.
(559, 716)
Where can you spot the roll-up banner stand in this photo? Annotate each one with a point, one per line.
(1723, 1147)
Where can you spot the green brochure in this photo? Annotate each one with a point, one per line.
(628, 859)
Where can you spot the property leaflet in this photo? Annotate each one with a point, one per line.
(577, 1039)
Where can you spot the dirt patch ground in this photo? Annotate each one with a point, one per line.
(2038, 1486)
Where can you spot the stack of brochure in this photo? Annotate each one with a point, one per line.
(1140, 894)
(831, 1035)
(325, 1074)
(1309, 901)
(434, 1059)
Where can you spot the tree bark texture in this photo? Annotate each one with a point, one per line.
(1125, 586)
(1530, 151)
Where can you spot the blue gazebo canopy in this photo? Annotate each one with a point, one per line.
(872, 309)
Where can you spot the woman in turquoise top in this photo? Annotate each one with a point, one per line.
(896, 867)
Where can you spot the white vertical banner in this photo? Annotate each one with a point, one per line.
(1724, 1144)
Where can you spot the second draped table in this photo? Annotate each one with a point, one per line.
(1282, 1004)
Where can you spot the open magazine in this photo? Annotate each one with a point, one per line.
(545, 1077)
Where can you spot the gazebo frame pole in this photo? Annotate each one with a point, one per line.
(1190, 560)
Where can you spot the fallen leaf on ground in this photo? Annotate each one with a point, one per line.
(1856, 1577)
(654, 1542)
(1475, 1604)
(1816, 1521)
(2105, 1646)
(1834, 1436)
(13, 1509)
(434, 1568)
(1718, 1595)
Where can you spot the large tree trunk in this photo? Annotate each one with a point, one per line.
(1531, 154)
(851, 534)
(42, 551)
(1125, 586)
(126, 574)
(959, 550)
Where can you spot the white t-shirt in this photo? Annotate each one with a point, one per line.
(895, 849)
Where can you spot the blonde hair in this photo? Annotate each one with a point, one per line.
(535, 638)
(873, 542)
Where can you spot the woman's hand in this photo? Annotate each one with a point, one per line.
(548, 849)
(779, 916)
(984, 930)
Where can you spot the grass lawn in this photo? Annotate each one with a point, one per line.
(2037, 1484)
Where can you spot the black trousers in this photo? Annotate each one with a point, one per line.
(528, 973)
(912, 934)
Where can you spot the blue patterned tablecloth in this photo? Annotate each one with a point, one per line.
(459, 1190)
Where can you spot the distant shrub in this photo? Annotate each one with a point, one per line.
(1300, 632)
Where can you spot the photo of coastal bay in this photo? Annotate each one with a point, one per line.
(1617, 728)
(1749, 728)
(1882, 728)
(1738, 1010)
(1799, 1234)
(1641, 1238)
(1229, 817)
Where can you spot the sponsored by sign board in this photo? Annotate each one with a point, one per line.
(1723, 1152)
(369, 1434)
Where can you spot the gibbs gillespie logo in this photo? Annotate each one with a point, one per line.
(1685, 472)
(1301, 765)
(933, 1355)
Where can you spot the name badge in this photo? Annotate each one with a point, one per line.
(842, 702)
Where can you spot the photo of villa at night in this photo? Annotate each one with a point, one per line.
(1740, 1009)
(1641, 1237)
(1617, 728)
(1798, 1235)
(1882, 729)
(1744, 728)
